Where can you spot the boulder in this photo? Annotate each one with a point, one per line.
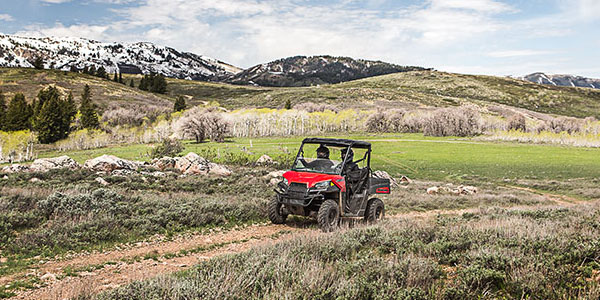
(122, 172)
(265, 160)
(46, 164)
(164, 163)
(433, 190)
(101, 181)
(35, 180)
(109, 163)
(274, 174)
(467, 190)
(385, 175)
(14, 168)
(192, 163)
(48, 277)
(218, 170)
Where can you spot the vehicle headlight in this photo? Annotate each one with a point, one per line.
(322, 185)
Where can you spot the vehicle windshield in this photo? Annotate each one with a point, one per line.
(318, 159)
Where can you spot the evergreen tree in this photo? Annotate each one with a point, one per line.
(38, 63)
(115, 78)
(2, 110)
(159, 84)
(121, 78)
(131, 83)
(92, 70)
(143, 84)
(101, 72)
(18, 114)
(73, 69)
(179, 104)
(89, 116)
(288, 104)
(52, 115)
(86, 70)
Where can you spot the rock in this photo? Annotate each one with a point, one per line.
(192, 163)
(14, 168)
(101, 181)
(5, 177)
(109, 163)
(46, 164)
(274, 174)
(219, 170)
(3, 259)
(405, 180)
(385, 175)
(433, 190)
(467, 190)
(122, 172)
(164, 163)
(48, 277)
(34, 180)
(265, 160)
(274, 181)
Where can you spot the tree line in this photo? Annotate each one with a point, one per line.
(51, 115)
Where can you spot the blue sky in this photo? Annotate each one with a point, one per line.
(496, 37)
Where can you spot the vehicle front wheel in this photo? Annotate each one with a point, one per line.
(375, 211)
(328, 216)
(276, 214)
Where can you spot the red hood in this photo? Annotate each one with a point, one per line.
(309, 178)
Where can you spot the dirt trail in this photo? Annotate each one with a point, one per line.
(100, 271)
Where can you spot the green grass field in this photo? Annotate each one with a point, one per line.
(425, 158)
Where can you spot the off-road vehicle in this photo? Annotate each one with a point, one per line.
(330, 189)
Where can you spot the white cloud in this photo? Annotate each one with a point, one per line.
(7, 18)
(56, 1)
(487, 6)
(587, 10)
(517, 53)
(59, 30)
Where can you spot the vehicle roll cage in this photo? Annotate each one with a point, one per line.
(342, 143)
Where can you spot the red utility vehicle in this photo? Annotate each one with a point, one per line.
(330, 189)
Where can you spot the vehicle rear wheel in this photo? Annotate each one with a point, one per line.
(328, 216)
(276, 214)
(375, 211)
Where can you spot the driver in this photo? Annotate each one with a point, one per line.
(322, 163)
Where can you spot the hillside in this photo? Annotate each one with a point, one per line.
(104, 92)
(563, 80)
(407, 89)
(134, 58)
(314, 70)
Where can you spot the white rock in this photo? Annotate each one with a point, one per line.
(192, 163)
(219, 170)
(109, 163)
(265, 160)
(34, 180)
(48, 277)
(14, 168)
(101, 181)
(274, 174)
(46, 164)
(433, 190)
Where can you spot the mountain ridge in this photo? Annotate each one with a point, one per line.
(562, 80)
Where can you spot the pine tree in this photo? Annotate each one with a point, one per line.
(179, 104)
(2, 110)
(143, 83)
(121, 78)
(288, 104)
(89, 116)
(52, 115)
(92, 70)
(38, 63)
(18, 114)
(86, 70)
(115, 78)
(131, 83)
(101, 72)
(159, 84)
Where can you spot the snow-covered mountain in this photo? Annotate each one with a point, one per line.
(312, 70)
(64, 53)
(563, 80)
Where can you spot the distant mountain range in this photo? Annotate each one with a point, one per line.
(563, 80)
(142, 58)
(65, 53)
(313, 70)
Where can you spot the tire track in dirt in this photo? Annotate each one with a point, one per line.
(146, 260)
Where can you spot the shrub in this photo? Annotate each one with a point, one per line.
(517, 122)
(315, 107)
(201, 123)
(169, 147)
(396, 120)
(562, 124)
(377, 122)
(460, 121)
